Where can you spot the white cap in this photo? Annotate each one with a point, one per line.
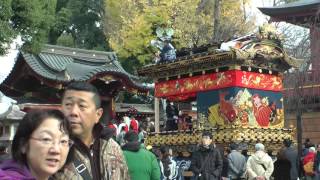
(259, 147)
(312, 149)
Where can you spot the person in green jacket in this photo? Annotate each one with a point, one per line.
(142, 164)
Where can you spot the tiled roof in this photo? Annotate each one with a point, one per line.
(64, 64)
(293, 7)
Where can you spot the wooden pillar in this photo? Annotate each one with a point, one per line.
(156, 115)
(315, 47)
(12, 131)
(106, 105)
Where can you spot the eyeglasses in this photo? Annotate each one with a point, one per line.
(49, 142)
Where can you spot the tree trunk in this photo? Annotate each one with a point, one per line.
(216, 20)
(299, 132)
(244, 11)
(201, 6)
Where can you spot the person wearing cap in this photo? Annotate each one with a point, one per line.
(206, 162)
(259, 164)
(237, 164)
(142, 164)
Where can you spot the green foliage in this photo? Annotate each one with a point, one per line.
(65, 40)
(33, 19)
(138, 34)
(53, 22)
(232, 22)
(6, 31)
(130, 24)
(60, 25)
(82, 20)
(199, 25)
(130, 64)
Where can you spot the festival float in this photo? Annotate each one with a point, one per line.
(237, 86)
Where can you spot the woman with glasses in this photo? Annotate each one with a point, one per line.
(41, 146)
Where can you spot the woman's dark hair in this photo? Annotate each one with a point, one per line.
(287, 142)
(30, 122)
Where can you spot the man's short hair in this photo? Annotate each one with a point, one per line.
(84, 86)
(131, 136)
(234, 146)
(259, 147)
(208, 134)
(287, 142)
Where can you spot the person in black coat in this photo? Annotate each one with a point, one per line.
(282, 167)
(291, 153)
(172, 117)
(225, 167)
(206, 162)
(316, 165)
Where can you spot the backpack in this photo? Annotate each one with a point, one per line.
(308, 168)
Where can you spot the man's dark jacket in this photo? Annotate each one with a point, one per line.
(207, 162)
(282, 169)
(292, 155)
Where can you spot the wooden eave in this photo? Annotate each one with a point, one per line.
(32, 106)
(198, 64)
(189, 64)
(303, 13)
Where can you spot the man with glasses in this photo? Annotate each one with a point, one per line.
(98, 156)
(206, 163)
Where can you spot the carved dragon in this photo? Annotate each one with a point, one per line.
(263, 49)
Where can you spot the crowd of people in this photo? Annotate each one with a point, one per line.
(127, 123)
(73, 145)
(207, 163)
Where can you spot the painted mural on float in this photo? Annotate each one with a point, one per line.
(185, 88)
(241, 107)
